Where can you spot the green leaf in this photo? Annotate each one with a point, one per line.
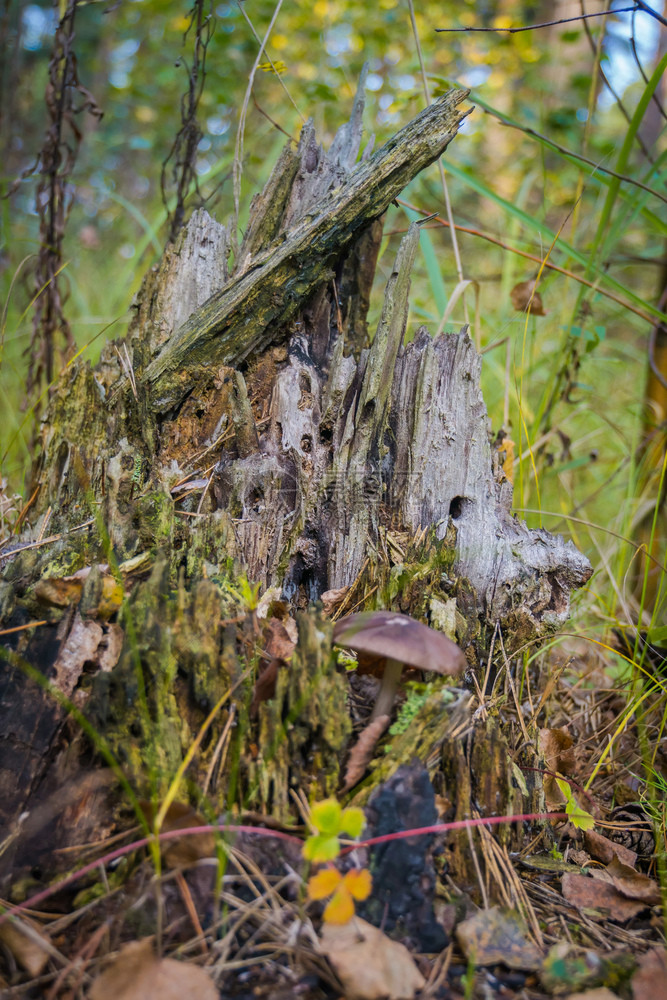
(326, 816)
(321, 847)
(579, 818)
(353, 821)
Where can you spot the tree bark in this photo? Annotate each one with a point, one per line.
(246, 431)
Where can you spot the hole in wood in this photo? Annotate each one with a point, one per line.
(456, 508)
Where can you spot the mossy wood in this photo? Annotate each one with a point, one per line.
(248, 430)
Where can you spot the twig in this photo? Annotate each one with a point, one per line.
(45, 541)
(238, 150)
(538, 260)
(562, 20)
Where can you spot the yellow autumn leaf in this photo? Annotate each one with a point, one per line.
(358, 882)
(340, 909)
(324, 883)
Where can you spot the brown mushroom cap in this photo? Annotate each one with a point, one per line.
(399, 637)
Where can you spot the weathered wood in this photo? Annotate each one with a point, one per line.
(242, 317)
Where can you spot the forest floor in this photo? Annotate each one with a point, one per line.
(576, 910)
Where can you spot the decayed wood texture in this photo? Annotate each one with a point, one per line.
(245, 426)
(272, 284)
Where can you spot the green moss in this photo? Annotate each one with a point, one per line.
(304, 728)
(154, 518)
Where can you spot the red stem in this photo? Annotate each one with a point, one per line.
(260, 831)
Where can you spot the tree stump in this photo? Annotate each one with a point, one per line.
(248, 430)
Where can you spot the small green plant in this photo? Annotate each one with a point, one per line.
(417, 697)
(330, 820)
(246, 593)
(580, 818)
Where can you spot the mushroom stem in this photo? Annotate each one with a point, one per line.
(387, 693)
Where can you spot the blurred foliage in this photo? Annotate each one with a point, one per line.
(567, 385)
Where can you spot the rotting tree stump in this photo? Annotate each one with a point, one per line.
(248, 428)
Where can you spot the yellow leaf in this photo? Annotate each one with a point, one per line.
(324, 883)
(358, 882)
(340, 909)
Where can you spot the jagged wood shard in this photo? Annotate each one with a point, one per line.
(270, 290)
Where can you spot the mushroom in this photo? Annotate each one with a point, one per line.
(402, 641)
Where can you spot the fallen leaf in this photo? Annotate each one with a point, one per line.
(109, 654)
(277, 647)
(650, 980)
(362, 752)
(556, 746)
(631, 883)
(265, 685)
(495, 935)
(23, 939)
(181, 851)
(136, 974)
(276, 640)
(61, 591)
(524, 297)
(594, 894)
(369, 964)
(604, 849)
(332, 599)
(80, 648)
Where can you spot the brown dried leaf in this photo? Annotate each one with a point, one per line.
(495, 935)
(605, 850)
(22, 937)
(594, 894)
(362, 752)
(180, 852)
(276, 640)
(278, 647)
(62, 591)
(332, 599)
(136, 974)
(369, 964)
(109, 654)
(59, 592)
(80, 648)
(525, 297)
(650, 980)
(633, 884)
(556, 746)
(265, 685)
